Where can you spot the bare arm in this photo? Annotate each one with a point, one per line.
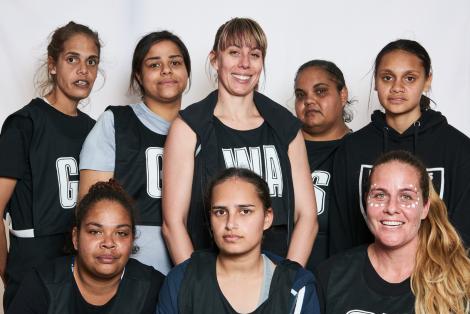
(90, 177)
(305, 217)
(178, 170)
(7, 186)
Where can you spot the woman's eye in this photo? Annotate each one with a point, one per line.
(71, 59)
(233, 52)
(154, 65)
(387, 78)
(122, 234)
(94, 232)
(219, 212)
(321, 91)
(410, 79)
(299, 95)
(245, 211)
(406, 197)
(92, 62)
(256, 55)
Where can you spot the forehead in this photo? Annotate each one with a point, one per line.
(313, 76)
(395, 174)
(240, 39)
(80, 43)
(400, 60)
(163, 48)
(107, 213)
(234, 190)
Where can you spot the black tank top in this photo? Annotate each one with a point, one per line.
(55, 146)
(255, 150)
(139, 161)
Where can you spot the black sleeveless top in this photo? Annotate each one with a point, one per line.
(45, 197)
(320, 158)
(201, 272)
(139, 161)
(255, 150)
(282, 128)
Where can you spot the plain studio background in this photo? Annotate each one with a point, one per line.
(349, 33)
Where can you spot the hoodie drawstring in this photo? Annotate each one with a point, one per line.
(416, 126)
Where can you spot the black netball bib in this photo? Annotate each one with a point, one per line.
(139, 162)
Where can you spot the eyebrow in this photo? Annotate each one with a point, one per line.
(238, 206)
(159, 58)
(101, 226)
(73, 53)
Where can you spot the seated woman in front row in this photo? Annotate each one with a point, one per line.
(417, 263)
(100, 278)
(238, 278)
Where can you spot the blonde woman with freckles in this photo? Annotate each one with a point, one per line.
(235, 126)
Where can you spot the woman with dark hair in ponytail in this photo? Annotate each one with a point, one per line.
(403, 75)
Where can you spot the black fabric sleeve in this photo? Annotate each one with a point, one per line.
(31, 297)
(347, 227)
(15, 139)
(458, 193)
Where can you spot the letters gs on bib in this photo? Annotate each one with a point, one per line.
(256, 160)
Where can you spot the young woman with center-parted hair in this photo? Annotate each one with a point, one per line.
(403, 76)
(238, 277)
(127, 141)
(40, 145)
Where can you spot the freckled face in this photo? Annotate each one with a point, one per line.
(318, 103)
(104, 241)
(238, 69)
(400, 81)
(238, 218)
(395, 204)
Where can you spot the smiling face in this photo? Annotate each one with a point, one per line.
(238, 218)
(163, 73)
(238, 68)
(104, 241)
(318, 103)
(395, 205)
(75, 69)
(400, 81)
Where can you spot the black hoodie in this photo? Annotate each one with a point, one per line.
(444, 150)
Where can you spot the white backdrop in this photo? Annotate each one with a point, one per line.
(349, 33)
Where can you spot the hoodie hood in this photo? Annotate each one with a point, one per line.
(429, 121)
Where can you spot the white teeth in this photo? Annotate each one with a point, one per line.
(81, 83)
(242, 77)
(392, 223)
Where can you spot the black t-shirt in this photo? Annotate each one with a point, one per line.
(348, 283)
(32, 297)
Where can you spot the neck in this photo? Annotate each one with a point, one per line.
(168, 110)
(396, 264)
(235, 108)
(401, 122)
(61, 103)
(329, 135)
(95, 291)
(240, 266)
